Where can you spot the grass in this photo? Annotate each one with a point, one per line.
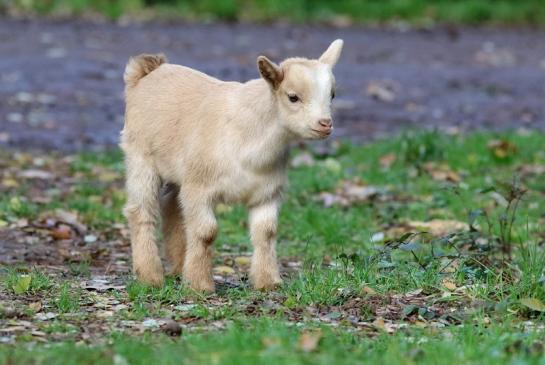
(267, 340)
(363, 283)
(420, 12)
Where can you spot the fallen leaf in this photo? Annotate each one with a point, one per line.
(36, 174)
(303, 159)
(62, 232)
(72, 219)
(332, 165)
(379, 324)
(534, 304)
(368, 290)
(35, 306)
(90, 238)
(350, 192)
(242, 260)
(502, 149)
(10, 182)
(185, 307)
(22, 284)
(387, 160)
(45, 316)
(309, 340)
(531, 170)
(108, 176)
(150, 323)
(439, 227)
(441, 172)
(270, 342)
(449, 284)
(224, 270)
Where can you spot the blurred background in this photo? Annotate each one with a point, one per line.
(406, 64)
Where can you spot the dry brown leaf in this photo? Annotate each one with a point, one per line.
(62, 232)
(449, 284)
(309, 340)
(348, 193)
(35, 306)
(441, 172)
(270, 341)
(10, 182)
(502, 149)
(439, 227)
(242, 260)
(72, 219)
(387, 160)
(224, 270)
(531, 170)
(368, 290)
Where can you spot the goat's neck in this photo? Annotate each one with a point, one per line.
(264, 140)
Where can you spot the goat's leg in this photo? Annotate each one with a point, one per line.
(142, 210)
(264, 272)
(201, 230)
(173, 229)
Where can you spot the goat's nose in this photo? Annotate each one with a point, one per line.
(325, 122)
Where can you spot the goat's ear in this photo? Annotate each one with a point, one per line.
(270, 71)
(332, 54)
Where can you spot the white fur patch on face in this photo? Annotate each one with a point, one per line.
(322, 92)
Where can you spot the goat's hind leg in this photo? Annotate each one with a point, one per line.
(173, 228)
(142, 212)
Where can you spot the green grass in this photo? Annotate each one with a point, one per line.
(272, 342)
(422, 12)
(340, 268)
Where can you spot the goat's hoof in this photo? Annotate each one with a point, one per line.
(267, 284)
(154, 279)
(205, 285)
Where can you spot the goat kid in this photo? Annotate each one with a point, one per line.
(192, 141)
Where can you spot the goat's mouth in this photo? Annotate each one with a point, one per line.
(322, 133)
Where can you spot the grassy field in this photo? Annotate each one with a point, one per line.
(425, 248)
(419, 12)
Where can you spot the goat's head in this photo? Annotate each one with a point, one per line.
(303, 91)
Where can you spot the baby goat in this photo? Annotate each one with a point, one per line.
(192, 141)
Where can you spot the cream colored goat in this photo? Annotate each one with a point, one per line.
(192, 141)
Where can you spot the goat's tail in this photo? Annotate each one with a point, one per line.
(140, 66)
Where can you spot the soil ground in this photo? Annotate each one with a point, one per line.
(61, 85)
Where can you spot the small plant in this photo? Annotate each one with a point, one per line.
(417, 148)
(20, 280)
(67, 301)
(512, 193)
(80, 269)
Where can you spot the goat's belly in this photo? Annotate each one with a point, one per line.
(250, 189)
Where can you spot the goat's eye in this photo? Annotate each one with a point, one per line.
(332, 94)
(293, 98)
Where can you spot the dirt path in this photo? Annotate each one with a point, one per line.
(61, 88)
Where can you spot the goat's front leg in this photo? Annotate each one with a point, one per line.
(142, 210)
(264, 272)
(201, 229)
